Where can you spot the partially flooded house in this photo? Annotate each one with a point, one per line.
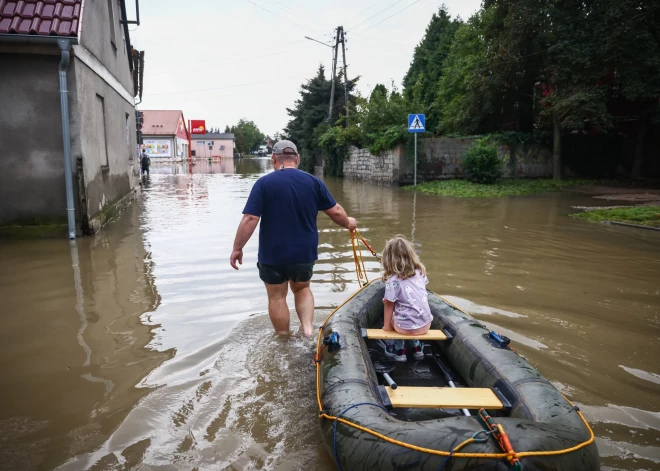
(68, 144)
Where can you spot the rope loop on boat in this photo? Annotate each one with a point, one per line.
(511, 456)
(360, 269)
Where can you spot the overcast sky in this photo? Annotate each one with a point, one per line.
(223, 60)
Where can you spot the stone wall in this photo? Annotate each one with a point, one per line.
(382, 169)
(440, 158)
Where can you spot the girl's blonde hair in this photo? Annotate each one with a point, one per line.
(399, 258)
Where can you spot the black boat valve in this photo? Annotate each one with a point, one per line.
(332, 342)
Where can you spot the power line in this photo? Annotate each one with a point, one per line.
(381, 11)
(281, 17)
(369, 7)
(393, 14)
(220, 88)
(224, 63)
(276, 4)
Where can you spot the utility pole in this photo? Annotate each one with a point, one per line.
(339, 38)
(335, 49)
(343, 55)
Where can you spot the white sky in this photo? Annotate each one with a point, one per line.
(223, 60)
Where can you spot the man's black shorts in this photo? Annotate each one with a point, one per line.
(278, 274)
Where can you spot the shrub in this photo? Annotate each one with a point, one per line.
(481, 163)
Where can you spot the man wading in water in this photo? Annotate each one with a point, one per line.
(287, 202)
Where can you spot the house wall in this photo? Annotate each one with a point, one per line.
(32, 184)
(32, 187)
(202, 151)
(106, 180)
(95, 36)
(102, 70)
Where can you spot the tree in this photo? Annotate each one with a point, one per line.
(428, 64)
(248, 136)
(309, 117)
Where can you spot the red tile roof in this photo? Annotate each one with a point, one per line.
(40, 17)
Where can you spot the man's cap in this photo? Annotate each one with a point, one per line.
(285, 147)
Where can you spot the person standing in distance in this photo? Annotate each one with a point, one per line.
(287, 202)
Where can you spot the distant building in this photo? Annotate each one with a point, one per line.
(268, 142)
(214, 145)
(67, 88)
(165, 135)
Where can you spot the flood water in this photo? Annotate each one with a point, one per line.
(141, 348)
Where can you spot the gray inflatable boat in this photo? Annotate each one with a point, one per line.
(472, 403)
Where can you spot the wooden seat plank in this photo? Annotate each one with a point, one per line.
(446, 398)
(394, 335)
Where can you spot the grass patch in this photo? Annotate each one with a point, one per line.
(640, 215)
(466, 189)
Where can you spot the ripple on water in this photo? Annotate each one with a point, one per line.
(245, 402)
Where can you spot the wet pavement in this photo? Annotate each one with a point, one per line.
(141, 348)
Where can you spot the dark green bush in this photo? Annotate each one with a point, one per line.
(481, 163)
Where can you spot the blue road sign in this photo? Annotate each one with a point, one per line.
(416, 123)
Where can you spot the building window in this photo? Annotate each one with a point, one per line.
(128, 130)
(102, 140)
(193, 153)
(111, 18)
(200, 143)
(222, 147)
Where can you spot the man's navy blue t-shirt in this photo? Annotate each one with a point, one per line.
(287, 201)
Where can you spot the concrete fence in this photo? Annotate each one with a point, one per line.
(440, 158)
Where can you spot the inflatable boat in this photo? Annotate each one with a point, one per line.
(471, 403)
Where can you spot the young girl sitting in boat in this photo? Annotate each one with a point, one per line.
(407, 308)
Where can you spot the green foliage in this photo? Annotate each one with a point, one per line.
(464, 100)
(309, 117)
(481, 164)
(467, 189)
(428, 65)
(248, 136)
(641, 215)
(383, 119)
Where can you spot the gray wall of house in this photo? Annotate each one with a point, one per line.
(440, 158)
(97, 38)
(31, 156)
(103, 140)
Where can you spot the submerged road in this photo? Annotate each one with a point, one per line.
(141, 348)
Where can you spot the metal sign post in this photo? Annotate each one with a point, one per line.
(416, 124)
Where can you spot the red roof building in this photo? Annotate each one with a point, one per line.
(67, 89)
(40, 17)
(165, 135)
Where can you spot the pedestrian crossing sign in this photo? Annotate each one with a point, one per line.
(416, 123)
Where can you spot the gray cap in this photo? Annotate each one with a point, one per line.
(285, 147)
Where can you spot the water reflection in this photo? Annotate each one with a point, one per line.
(73, 341)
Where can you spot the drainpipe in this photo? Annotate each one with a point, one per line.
(65, 47)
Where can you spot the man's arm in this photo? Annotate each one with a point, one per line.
(245, 230)
(339, 217)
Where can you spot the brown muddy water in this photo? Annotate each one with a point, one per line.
(141, 348)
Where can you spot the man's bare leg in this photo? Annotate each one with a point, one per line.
(278, 310)
(304, 305)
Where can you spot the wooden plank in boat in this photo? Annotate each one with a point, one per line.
(394, 335)
(446, 398)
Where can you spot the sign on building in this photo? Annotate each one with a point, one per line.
(197, 126)
(157, 147)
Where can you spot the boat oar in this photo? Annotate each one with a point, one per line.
(384, 370)
(449, 377)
